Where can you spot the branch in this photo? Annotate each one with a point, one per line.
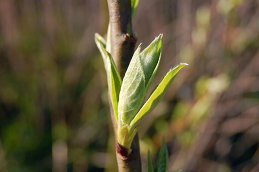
(122, 49)
(122, 39)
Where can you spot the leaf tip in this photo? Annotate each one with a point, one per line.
(184, 64)
(97, 36)
(139, 47)
(160, 36)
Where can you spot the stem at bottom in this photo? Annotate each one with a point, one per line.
(129, 160)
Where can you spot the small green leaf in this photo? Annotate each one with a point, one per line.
(156, 95)
(113, 77)
(150, 163)
(100, 40)
(138, 77)
(150, 58)
(132, 92)
(108, 44)
(162, 162)
(125, 138)
(134, 5)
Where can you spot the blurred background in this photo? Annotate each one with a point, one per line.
(54, 112)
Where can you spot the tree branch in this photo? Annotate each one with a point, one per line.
(122, 49)
(122, 39)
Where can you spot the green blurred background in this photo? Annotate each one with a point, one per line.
(54, 112)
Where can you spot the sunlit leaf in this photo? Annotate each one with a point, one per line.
(108, 44)
(150, 58)
(162, 162)
(156, 95)
(100, 40)
(138, 77)
(113, 77)
(132, 90)
(150, 163)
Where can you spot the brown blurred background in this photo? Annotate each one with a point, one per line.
(54, 113)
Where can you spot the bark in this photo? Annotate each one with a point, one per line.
(122, 49)
(122, 39)
(129, 161)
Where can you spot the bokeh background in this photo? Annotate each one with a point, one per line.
(54, 112)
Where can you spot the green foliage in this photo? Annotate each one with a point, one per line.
(150, 58)
(132, 90)
(113, 77)
(156, 95)
(128, 96)
(137, 79)
(134, 5)
(162, 162)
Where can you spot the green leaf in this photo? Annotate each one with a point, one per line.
(156, 95)
(113, 77)
(150, 163)
(132, 92)
(138, 77)
(150, 58)
(100, 40)
(134, 5)
(108, 45)
(162, 162)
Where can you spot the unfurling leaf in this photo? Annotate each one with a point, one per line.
(156, 95)
(127, 96)
(139, 75)
(150, 58)
(100, 40)
(108, 43)
(162, 162)
(132, 92)
(113, 77)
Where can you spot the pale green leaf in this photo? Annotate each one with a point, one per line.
(150, 163)
(141, 70)
(132, 92)
(162, 162)
(100, 40)
(108, 44)
(134, 5)
(150, 58)
(113, 77)
(156, 95)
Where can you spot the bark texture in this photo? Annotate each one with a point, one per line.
(129, 160)
(122, 48)
(122, 39)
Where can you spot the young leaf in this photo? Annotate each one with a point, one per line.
(113, 77)
(132, 92)
(134, 5)
(100, 40)
(138, 77)
(150, 163)
(108, 44)
(156, 95)
(150, 58)
(162, 162)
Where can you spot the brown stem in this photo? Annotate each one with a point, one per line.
(122, 39)
(122, 49)
(129, 161)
